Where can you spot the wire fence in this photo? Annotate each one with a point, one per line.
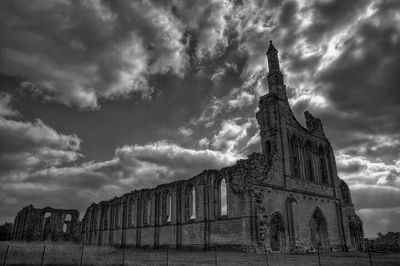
(19, 253)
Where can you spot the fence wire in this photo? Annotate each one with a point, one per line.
(34, 253)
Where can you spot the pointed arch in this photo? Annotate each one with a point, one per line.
(345, 191)
(193, 205)
(294, 157)
(309, 169)
(132, 212)
(223, 197)
(277, 232)
(319, 229)
(322, 166)
(166, 207)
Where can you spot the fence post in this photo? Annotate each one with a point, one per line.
(216, 261)
(369, 255)
(83, 247)
(167, 256)
(44, 250)
(266, 255)
(5, 257)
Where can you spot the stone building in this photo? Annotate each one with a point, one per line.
(47, 224)
(288, 198)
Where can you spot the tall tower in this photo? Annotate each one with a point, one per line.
(275, 76)
(271, 115)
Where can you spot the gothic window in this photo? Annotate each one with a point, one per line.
(294, 158)
(193, 207)
(223, 198)
(345, 192)
(67, 222)
(190, 203)
(46, 220)
(309, 164)
(277, 232)
(132, 212)
(147, 212)
(324, 173)
(118, 216)
(169, 208)
(166, 208)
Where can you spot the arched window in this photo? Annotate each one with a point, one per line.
(166, 208)
(193, 207)
(46, 221)
(132, 212)
(277, 232)
(344, 189)
(223, 197)
(190, 203)
(309, 164)
(324, 172)
(294, 158)
(67, 222)
(169, 208)
(148, 212)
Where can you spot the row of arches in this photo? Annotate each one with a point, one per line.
(318, 228)
(144, 208)
(309, 161)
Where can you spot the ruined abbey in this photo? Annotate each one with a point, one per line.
(287, 198)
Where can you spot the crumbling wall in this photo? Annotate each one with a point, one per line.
(47, 224)
(186, 213)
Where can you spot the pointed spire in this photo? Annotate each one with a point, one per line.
(271, 48)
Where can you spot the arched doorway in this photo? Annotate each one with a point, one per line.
(319, 230)
(277, 233)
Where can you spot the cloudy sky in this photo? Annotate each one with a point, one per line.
(98, 98)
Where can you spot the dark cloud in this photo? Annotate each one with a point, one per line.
(175, 85)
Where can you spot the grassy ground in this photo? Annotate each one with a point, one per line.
(70, 254)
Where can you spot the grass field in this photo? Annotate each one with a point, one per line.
(70, 254)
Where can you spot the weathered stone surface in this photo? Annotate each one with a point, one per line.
(47, 224)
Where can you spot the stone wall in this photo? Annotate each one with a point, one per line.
(172, 214)
(47, 224)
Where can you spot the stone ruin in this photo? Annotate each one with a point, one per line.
(47, 224)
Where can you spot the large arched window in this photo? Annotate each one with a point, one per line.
(322, 166)
(309, 163)
(223, 197)
(294, 158)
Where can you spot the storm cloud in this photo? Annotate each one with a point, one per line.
(98, 98)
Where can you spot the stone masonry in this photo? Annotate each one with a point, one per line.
(289, 198)
(47, 224)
